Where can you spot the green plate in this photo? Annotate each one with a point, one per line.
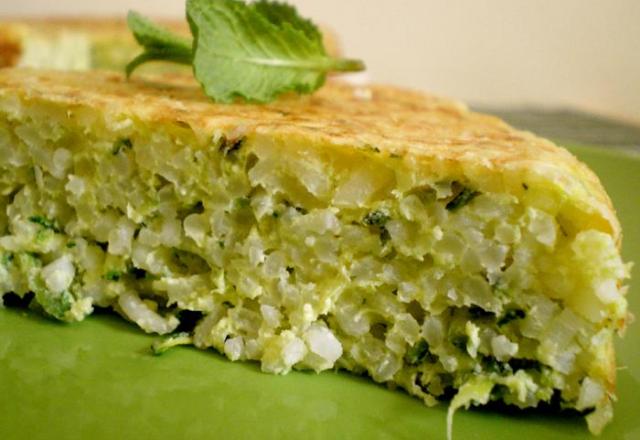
(97, 380)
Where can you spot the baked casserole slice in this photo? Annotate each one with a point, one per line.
(377, 230)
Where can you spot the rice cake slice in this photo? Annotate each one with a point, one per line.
(374, 229)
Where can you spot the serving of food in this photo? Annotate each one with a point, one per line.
(373, 229)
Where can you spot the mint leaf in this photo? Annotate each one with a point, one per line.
(257, 51)
(159, 44)
(254, 51)
(281, 13)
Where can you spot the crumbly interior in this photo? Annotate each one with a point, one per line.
(309, 258)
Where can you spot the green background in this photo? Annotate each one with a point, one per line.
(97, 379)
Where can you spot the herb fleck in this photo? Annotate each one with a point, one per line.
(463, 198)
(55, 305)
(7, 258)
(511, 315)
(418, 353)
(113, 275)
(376, 218)
(44, 222)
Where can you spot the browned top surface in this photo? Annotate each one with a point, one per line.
(422, 128)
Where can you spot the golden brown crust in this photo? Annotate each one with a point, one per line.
(436, 135)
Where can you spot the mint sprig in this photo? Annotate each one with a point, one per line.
(159, 44)
(254, 51)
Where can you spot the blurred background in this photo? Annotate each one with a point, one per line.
(525, 60)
